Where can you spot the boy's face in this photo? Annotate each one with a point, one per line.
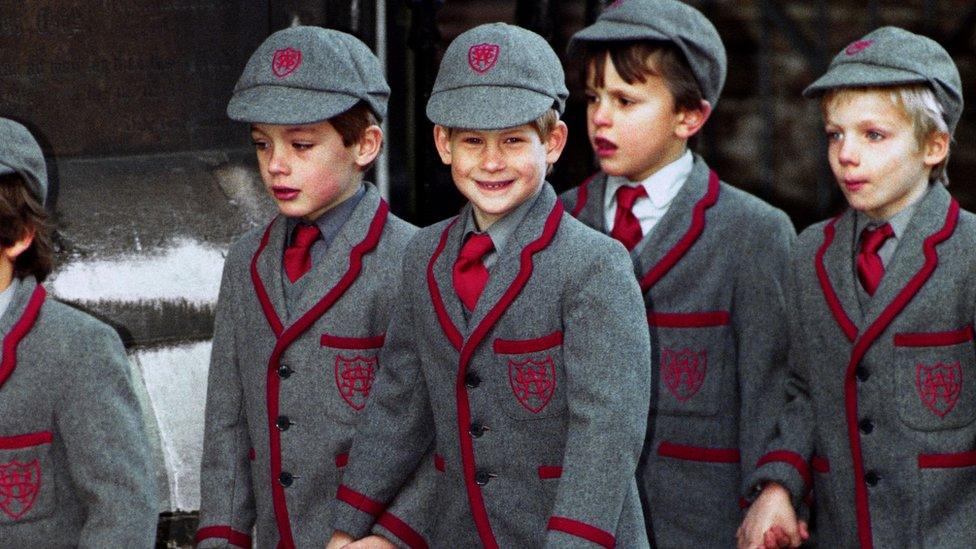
(306, 168)
(634, 129)
(874, 154)
(498, 170)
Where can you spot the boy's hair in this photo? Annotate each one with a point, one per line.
(637, 60)
(543, 126)
(20, 214)
(353, 122)
(919, 104)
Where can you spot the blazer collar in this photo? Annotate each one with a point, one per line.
(17, 322)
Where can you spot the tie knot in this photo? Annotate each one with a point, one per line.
(476, 247)
(873, 239)
(305, 235)
(627, 195)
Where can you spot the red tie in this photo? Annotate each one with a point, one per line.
(470, 274)
(626, 228)
(298, 260)
(870, 269)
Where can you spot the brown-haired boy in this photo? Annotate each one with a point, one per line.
(711, 261)
(75, 468)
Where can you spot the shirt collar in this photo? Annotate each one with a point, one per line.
(898, 222)
(661, 186)
(332, 221)
(7, 295)
(501, 231)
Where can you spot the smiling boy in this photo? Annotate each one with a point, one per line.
(517, 326)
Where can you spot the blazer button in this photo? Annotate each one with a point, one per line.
(482, 477)
(284, 372)
(862, 373)
(872, 478)
(286, 478)
(283, 423)
(478, 429)
(471, 380)
(866, 426)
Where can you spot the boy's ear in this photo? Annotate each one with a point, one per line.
(369, 145)
(556, 142)
(442, 140)
(936, 148)
(12, 252)
(692, 120)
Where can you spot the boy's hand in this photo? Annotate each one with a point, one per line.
(372, 542)
(339, 540)
(771, 522)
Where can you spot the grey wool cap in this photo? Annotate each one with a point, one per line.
(20, 154)
(303, 75)
(496, 76)
(666, 21)
(890, 56)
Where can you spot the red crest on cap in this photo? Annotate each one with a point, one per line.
(616, 4)
(285, 62)
(482, 57)
(858, 46)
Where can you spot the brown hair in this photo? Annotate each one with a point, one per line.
(635, 61)
(352, 123)
(21, 213)
(543, 125)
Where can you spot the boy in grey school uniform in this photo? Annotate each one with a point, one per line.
(75, 469)
(304, 302)
(711, 261)
(880, 419)
(518, 328)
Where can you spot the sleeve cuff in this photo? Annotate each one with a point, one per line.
(787, 468)
(582, 530)
(355, 513)
(399, 532)
(224, 533)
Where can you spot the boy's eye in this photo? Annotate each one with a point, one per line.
(513, 140)
(302, 146)
(833, 136)
(625, 101)
(472, 140)
(875, 135)
(259, 145)
(591, 97)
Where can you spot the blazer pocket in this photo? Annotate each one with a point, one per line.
(691, 350)
(947, 499)
(26, 477)
(935, 388)
(532, 378)
(351, 365)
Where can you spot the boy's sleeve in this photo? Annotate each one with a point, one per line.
(226, 494)
(607, 359)
(786, 456)
(392, 439)
(760, 322)
(101, 422)
(408, 521)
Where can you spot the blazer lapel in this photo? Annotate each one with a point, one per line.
(591, 212)
(441, 281)
(17, 322)
(838, 273)
(267, 276)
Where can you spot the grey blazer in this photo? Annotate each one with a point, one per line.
(283, 400)
(536, 405)
(713, 273)
(880, 420)
(75, 469)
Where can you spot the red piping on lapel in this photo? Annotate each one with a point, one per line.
(675, 254)
(287, 337)
(402, 530)
(582, 193)
(450, 330)
(266, 306)
(19, 332)
(26, 441)
(861, 348)
(582, 530)
(475, 499)
(232, 536)
(848, 327)
(698, 453)
(934, 339)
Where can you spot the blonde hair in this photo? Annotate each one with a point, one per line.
(919, 104)
(543, 125)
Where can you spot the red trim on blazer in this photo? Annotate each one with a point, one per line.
(450, 330)
(19, 331)
(934, 339)
(675, 254)
(352, 342)
(833, 302)
(402, 530)
(466, 348)
(287, 337)
(341, 460)
(820, 464)
(17, 442)
(520, 346)
(582, 530)
(689, 320)
(547, 472)
(232, 536)
(698, 453)
(360, 501)
(582, 194)
(871, 334)
(947, 461)
(439, 462)
(789, 458)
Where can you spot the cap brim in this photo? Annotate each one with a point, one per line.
(283, 105)
(487, 107)
(611, 31)
(856, 75)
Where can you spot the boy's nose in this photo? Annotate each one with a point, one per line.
(493, 159)
(277, 164)
(847, 152)
(600, 114)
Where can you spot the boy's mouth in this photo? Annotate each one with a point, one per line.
(494, 185)
(284, 193)
(854, 184)
(604, 147)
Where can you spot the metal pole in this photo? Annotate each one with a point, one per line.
(383, 161)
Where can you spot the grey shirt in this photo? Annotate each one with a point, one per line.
(7, 294)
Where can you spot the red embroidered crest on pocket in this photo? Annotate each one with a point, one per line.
(482, 57)
(939, 386)
(19, 485)
(533, 383)
(683, 371)
(285, 62)
(354, 378)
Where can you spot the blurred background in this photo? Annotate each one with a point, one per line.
(151, 182)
